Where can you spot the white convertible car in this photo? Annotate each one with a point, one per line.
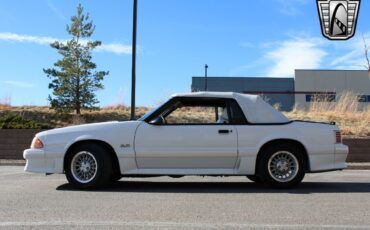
(205, 133)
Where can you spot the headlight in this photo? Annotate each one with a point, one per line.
(37, 143)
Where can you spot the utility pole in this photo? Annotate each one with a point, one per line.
(205, 78)
(133, 68)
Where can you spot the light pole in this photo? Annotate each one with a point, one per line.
(133, 68)
(205, 77)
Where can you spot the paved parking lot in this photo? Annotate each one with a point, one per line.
(335, 200)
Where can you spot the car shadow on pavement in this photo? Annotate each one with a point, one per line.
(226, 187)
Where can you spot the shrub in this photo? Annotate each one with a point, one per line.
(9, 121)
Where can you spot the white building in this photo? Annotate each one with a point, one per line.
(331, 84)
(299, 91)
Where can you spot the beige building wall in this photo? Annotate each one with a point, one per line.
(338, 81)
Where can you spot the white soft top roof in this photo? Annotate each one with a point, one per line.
(254, 107)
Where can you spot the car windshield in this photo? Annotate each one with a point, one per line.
(150, 112)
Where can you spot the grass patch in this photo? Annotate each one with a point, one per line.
(350, 115)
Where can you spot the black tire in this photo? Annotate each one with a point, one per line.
(115, 177)
(254, 178)
(101, 174)
(289, 175)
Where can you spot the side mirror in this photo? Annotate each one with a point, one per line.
(157, 121)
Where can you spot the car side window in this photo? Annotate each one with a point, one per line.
(237, 115)
(192, 111)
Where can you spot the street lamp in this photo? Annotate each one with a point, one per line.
(133, 68)
(205, 77)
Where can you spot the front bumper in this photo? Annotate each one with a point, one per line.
(35, 160)
(38, 161)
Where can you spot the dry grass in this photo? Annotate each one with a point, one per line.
(192, 115)
(349, 114)
(45, 114)
(5, 103)
(4, 106)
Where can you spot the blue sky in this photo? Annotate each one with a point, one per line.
(175, 38)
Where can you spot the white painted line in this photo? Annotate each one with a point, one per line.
(179, 224)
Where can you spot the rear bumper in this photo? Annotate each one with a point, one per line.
(38, 161)
(341, 153)
(328, 158)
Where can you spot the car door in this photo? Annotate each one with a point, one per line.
(188, 137)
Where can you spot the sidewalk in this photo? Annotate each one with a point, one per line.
(6, 162)
(358, 166)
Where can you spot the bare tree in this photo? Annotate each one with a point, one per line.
(366, 49)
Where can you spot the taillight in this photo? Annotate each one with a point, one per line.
(338, 137)
(37, 143)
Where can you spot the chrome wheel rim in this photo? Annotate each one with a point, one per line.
(283, 166)
(84, 167)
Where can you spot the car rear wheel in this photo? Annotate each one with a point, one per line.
(88, 166)
(282, 166)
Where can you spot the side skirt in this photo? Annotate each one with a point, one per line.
(176, 172)
(326, 170)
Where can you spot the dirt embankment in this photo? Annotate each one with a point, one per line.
(348, 113)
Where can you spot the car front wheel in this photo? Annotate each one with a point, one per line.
(282, 166)
(88, 166)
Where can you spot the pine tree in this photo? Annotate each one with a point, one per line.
(74, 78)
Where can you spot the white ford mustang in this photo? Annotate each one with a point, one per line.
(205, 133)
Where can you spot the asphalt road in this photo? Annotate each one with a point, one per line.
(335, 200)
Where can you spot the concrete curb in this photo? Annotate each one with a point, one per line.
(351, 166)
(6, 162)
(359, 166)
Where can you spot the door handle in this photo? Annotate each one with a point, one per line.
(224, 131)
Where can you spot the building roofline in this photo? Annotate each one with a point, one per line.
(361, 70)
(243, 77)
